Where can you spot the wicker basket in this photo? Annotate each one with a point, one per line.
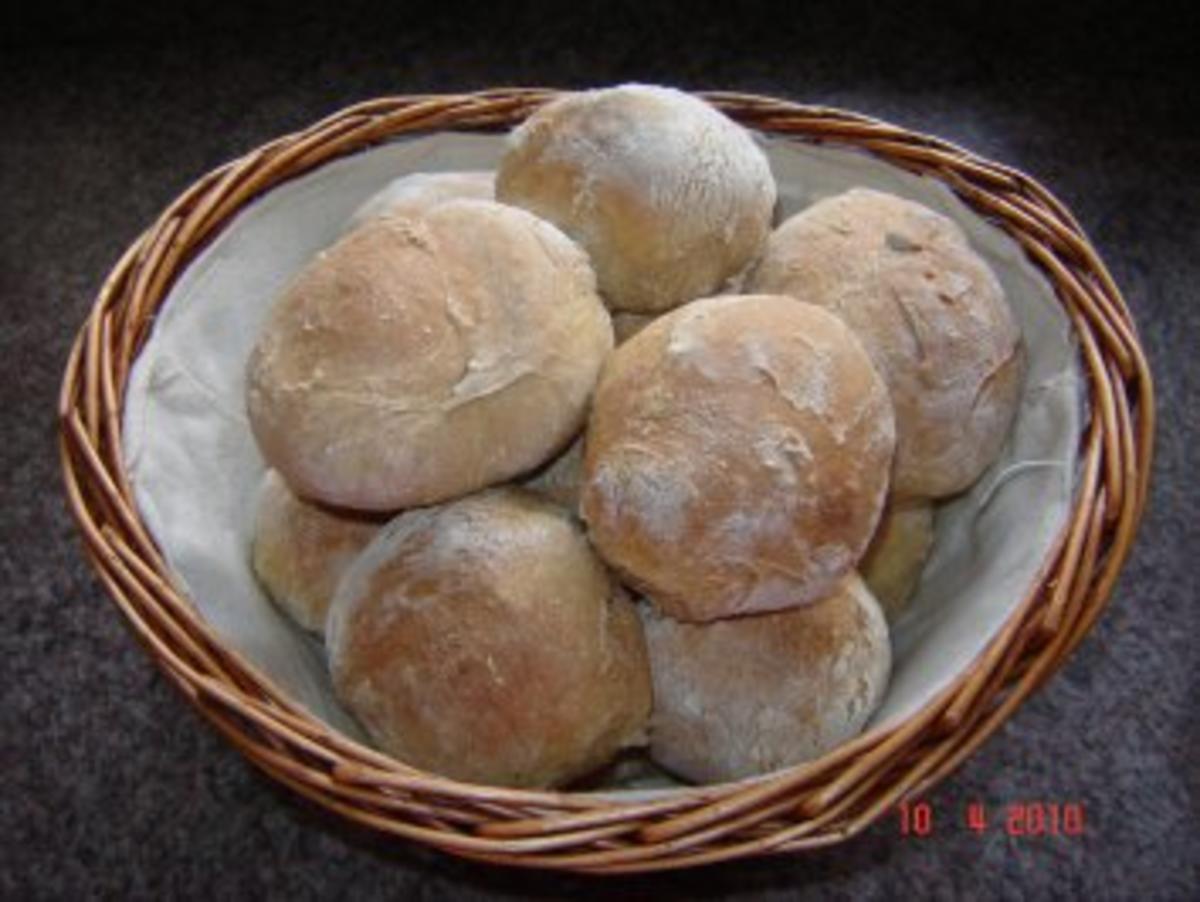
(816, 804)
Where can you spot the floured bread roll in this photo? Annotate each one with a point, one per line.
(737, 456)
(485, 641)
(930, 312)
(417, 192)
(559, 480)
(892, 565)
(627, 325)
(745, 696)
(419, 359)
(667, 195)
(301, 550)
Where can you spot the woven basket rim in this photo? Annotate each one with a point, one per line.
(813, 804)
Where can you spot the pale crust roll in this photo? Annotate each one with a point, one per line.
(737, 456)
(418, 192)
(891, 568)
(424, 358)
(301, 549)
(485, 641)
(931, 314)
(669, 197)
(746, 696)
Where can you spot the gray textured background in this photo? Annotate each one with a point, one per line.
(113, 788)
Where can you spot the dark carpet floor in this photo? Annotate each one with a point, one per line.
(111, 787)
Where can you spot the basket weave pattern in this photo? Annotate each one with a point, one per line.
(816, 804)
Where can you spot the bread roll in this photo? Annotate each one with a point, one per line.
(931, 314)
(737, 456)
(485, 641)
(301, 550)
(668, 196)
(892, 565)
(746, 696)
(423, 358)
(416, 193)
(559, 480)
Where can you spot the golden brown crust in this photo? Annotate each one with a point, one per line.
(668, 196)
(483, 640)
(931, 314)
(419, 359)
(301, 550)
(745, 696)
(737, 456)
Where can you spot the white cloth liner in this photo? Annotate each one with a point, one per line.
(195, 468)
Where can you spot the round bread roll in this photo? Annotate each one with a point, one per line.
(892, 565)
(931, 314)
(737, 456)
(559, 480)
(300, 550)
(742, 697)
(414, 194)
(423, 358)
(668, 196)
(485, 641)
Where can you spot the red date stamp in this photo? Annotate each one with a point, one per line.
(1017, 819)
